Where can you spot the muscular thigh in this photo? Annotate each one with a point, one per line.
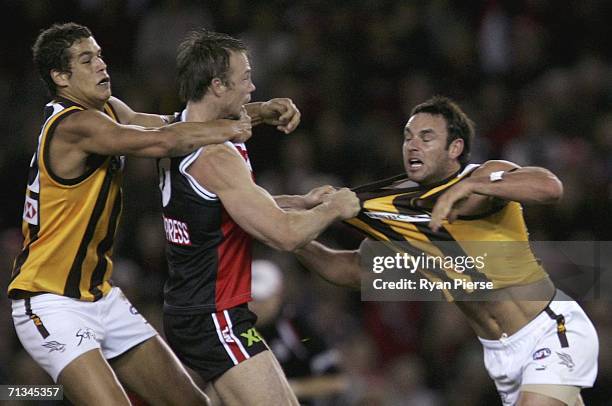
(152, 371)
(89, 380)
(256, 381)
(549, 395)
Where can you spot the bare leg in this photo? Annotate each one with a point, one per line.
(89, 380)
(549, 395)
(215, 400)
(153, 371)
(256, 381)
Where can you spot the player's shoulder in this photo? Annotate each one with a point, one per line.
(82, 118)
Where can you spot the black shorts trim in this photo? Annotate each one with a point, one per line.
(212, 343)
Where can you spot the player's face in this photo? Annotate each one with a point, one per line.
(426, 156)
(240, 85)
(88, 82)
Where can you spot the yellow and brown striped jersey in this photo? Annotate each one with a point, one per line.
(397, 211)
(68, 224)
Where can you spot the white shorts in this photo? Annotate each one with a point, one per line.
(536, 354)
(55, 329)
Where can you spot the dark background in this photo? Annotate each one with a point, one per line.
(535, 75)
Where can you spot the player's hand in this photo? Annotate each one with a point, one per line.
(239, 130)
(448, 205)
(345, 202)
(317, 196)
(282, 113)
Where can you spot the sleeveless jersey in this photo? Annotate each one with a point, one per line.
(68, 224)
(209, 255)
(397, 211)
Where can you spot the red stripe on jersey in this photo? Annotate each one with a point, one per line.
(229, 338)
(233, 285)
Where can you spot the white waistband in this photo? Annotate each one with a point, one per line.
(559, 304)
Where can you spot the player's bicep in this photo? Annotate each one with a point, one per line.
(223, 172)
(477, 203)
(495, 166)
(95, 133)
(126, 115)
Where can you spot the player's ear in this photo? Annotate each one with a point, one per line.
(60, 78)
(455, 148)
(217, 86)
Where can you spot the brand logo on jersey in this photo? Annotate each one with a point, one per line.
(177, 232)
(55, 346)
(30, 211)
(566, 360)
(405, 218)
(541, 354)
(85, 334)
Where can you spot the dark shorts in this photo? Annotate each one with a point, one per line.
(212, 343)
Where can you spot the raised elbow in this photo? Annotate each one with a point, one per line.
(554, 189)
(289, 244)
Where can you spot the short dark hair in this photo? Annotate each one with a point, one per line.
(50, 51)
(203, 56)
(458, 124)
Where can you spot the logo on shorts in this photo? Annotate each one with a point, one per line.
(55, 346)
(252, 336)
(227, 335)
(541, 354)
(566, 360)
(85, 334)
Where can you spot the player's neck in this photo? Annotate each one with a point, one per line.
(88, 104)
(450, 171)
(202, 111)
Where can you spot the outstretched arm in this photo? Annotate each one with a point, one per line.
(222, 171)
(501, 180)
(341, 268)
(280, 112)
(93, 132)
(126, 115)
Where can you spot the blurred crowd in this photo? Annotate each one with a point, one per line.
(535, 76)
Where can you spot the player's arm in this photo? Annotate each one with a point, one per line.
(221, 170)
(529, 185)
(497, 180)
(279, 112)
(126, 115)
(339, 267)
(304, 202)
(95, 133)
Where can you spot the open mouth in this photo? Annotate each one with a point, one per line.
(415, 163)
(104, 82)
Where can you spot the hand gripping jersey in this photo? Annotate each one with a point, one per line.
(209, 255)
(397, 211)
(68, 224)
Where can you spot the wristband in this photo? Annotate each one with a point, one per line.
(496, 176)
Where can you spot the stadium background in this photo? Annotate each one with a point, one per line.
(535, 75)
